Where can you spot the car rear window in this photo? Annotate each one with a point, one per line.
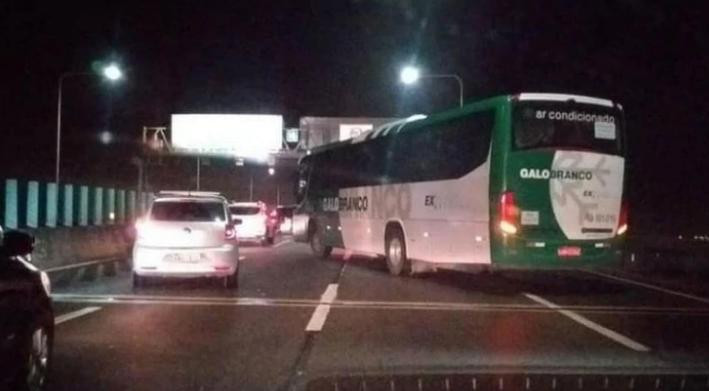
(244, 210)
(187, 211)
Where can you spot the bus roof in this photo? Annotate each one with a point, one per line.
(422, 120)
(564, 98)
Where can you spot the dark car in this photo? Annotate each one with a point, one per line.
(26, 316)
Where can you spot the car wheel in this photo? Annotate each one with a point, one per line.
(232, 281)
(319, 248)
(37, 360)
(396, 258)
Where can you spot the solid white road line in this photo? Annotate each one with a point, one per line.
(317, 320)
(606, 332)
(366, 304)
(649, 286)
(74, 314)
(283, 243)
(78, 265)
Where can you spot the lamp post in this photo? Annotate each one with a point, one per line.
(410, 75)
(111, 72)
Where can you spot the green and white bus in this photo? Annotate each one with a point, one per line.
(526, 181)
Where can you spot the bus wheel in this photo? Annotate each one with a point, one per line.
(396, 259)
(319, 248)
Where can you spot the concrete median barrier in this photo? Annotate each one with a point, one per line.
(662, 254)
(59, 247)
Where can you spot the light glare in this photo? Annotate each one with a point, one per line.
(409, 75)
(105, 137)
(623, 228)
(112, 72)
(508, 227)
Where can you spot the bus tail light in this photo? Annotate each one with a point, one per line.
(509, 213)
(623, 220)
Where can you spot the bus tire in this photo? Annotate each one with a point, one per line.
(317, 246)
(395, 250)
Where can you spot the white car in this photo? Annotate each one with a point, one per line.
(254, 221)
(187, 234)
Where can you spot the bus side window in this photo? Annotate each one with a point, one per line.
(442, 151)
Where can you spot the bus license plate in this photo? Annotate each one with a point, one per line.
(569, 251)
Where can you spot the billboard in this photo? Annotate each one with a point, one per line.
(318, 131)
(247, 136)
(348, 131)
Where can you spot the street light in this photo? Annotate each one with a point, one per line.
(410, 75)
(111, 72)
(105, 137)
(271, 171)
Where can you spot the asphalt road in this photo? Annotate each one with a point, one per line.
(295, 318)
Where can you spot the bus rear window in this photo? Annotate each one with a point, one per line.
(567, 126)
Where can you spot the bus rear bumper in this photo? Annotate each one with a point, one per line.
(551, 258)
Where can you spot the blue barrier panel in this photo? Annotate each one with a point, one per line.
(68, 209)
(132, 213)
(11, 206)
(2, 202)
(32, 219)
(109, 206)
(98, 206)
(121, 205)
(52, 200)
(84, 206)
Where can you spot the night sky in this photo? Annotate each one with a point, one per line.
(341, 58)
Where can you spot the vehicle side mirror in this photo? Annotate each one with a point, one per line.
(17, 243)
(237, 221)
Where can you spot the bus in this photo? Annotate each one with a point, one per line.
(525, 181)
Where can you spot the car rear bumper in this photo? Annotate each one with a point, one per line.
(250, 232)
(185, 262)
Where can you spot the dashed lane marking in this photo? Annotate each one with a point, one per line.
(606, 332)
(80, 265)
(317, 320)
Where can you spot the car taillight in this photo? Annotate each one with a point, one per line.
(230, 232)
(509, 213)
(623, 220)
